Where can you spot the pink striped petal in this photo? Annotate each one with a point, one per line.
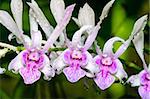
(104, 80)
(144, 91)
(30, 76)
(73, 74)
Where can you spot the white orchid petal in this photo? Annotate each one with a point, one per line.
(33, 23)
(120, 73)
(108, 47)
(134, 80)
(40, 18)
(91, 66)
(11, 36)
(76, 21)
(2, 70)
(36, 39)
(16, 63)
(19, 41)
(53, 56)
(47, 70)
(106, 10)
(139, 25)
(138, 40)
(76, 39)
(58, 9)
(86, 15)
(60, 27)
(16, 9)
(27, 40)
(137, 34)
(8, 22)
(59, 64)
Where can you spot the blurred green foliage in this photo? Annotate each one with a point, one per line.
(118, 23)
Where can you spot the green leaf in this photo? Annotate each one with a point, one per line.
(18, 91)
(3, 95)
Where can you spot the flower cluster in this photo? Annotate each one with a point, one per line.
(104, 66)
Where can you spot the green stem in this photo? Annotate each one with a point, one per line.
(38, 91)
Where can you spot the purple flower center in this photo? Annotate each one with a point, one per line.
(33, 58)
(106, 60)
(106, 63)
(75, 57)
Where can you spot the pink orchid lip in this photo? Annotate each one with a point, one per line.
(106, 60)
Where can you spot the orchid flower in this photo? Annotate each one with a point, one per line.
(76, 62)
(110, 66)
(74, 58)
(58, 10)
(143, 78)
(86, 16)
(33, 60)
(14, 26)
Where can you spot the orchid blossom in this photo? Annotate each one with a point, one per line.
(86, 16)
(16, 25)
(143, 78)
(75, 58)
(33, 60)
(76, 62)
(58, 10)
(110, 67)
